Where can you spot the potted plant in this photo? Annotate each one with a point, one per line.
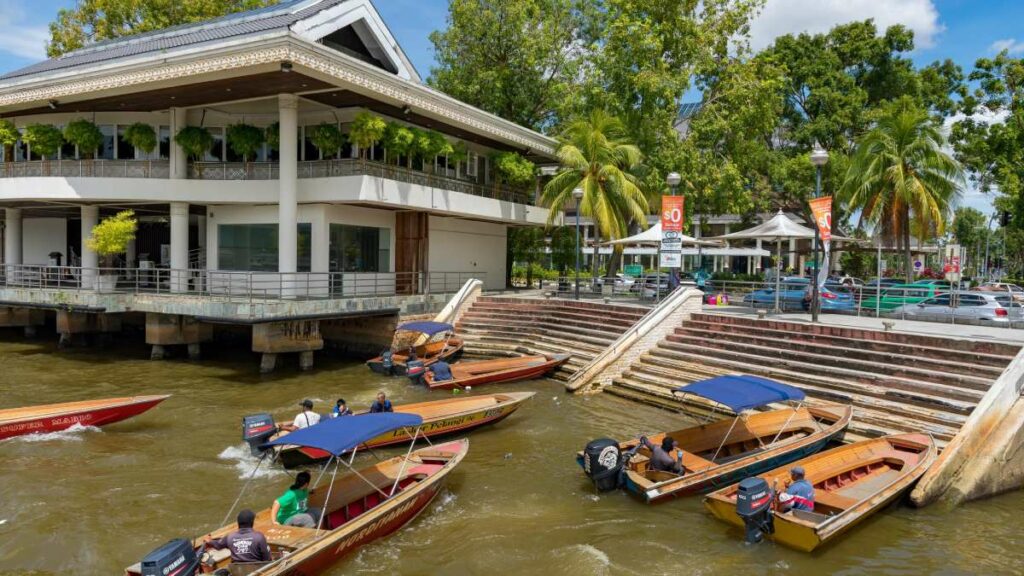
(327, 138)
(367, 130)
(110, 238)
(420, 147)
(9, 136)
(246, 140)
(86, 136)
(397, 141)
(44, 140)
(142, 137)
(512, 169)
(195, 141)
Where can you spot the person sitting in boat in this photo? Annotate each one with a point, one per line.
(245, 544)
(441, 371)
(303, 419)
(800, 494)
(381, 404)
(661, 456)
(291, 509)
(341, 409)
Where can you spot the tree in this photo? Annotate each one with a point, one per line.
(563, 249)
(195, 141)
(367, 130)
(901, 178)
(327, 138)
(527, 246)
(245, 139)
(398, 141)
(969, 228)
(141, 136)
(272, 135)
(95, 20)
(85, 135)
(44, 140)
(9, 136)
(513, 169)
(111, 236)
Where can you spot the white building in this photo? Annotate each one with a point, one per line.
(340, 218)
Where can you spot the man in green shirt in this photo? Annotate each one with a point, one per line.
(291, 508)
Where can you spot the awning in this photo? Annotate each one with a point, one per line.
(741, 391)
(339, 435)
(780, 227)
(425, 327)
(726, 252)
(653, 236)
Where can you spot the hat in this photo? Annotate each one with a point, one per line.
(307, 403)
(797, 471)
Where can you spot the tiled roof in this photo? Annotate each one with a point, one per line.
(257, 21)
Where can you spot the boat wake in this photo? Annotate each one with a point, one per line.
(245, 462)
(72, 434)
(595, 560)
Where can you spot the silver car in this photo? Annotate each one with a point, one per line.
(987, 307)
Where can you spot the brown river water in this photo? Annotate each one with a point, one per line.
(91, 502)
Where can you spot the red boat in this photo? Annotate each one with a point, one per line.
(57, 417)
(494, 371)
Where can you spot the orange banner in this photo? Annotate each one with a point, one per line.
(822, 210)
(672, 214)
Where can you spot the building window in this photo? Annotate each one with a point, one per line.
(68, 151)
(253, 247)
(216, 152)
(165, 143)
(360, 249)
(125, 151)
(107, 148)
(471, 164)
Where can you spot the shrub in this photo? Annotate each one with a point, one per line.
(398, 140)
(9, 134)
(195, 141)
(327, 138)
(44, 139)
(245, 139)
(513, 169)
(367, 130)
(111, 236)
(85, 135)
(273, 136)
(142, 136)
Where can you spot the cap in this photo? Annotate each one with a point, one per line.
(307, 403)
(797, 470)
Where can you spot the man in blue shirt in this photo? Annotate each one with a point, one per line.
(341, 409)
(441, 371)
(381, 404)
(800, 494)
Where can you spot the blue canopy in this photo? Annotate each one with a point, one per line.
(742, 392)
(339, 435)
(428, 328)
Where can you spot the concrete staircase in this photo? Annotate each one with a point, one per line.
(896, 381)
(509, 326)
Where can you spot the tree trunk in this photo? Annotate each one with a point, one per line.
(529, 274)
(908, 258)
(615, 262)
(595, 265)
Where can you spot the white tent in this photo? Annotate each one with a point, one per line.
(653, 236)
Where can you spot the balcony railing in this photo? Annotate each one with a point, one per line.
(259, 171)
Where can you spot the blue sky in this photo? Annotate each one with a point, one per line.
(963, 30)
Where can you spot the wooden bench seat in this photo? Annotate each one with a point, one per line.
(833, 500)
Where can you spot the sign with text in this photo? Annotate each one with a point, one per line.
(822, 210)
(671, 232)
(634, 270)
(952, 266)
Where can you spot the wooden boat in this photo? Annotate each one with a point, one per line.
(431, 341)
(724, 452)
(440, 418)
(851, 482)
(57, 417)
(495, 371)
(367, 504)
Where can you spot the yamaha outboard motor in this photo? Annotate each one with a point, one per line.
(257, 430)
(754, 505)
(387, 360)
(415, 371)
(602, 463)
(176, 558)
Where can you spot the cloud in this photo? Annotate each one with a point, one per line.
(781, 17)
(20, 37)
(1011, 45)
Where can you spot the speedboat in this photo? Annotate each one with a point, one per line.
(431, 341)
(57, 417)
(479, 372)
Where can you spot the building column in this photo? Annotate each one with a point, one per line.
(179, 247)
(90, 260)
(287, 207)
(727, 264)
(12, 242)
(178, 160)
(792, 253)
(758, 259)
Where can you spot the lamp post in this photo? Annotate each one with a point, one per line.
(819, 157)
(988, 236)
(578, 195)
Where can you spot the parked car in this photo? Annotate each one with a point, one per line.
(651, 285)
(900, 294)
(870, 287)
(1014, 290)
(791, 294)
(620, 284)
(984, 306)
(833, 296)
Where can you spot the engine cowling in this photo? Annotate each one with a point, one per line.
(602, 463)
(176, 558)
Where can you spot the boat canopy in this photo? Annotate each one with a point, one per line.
(428, 328)
(339, 435)
(742, 391)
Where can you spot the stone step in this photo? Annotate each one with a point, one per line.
(595, 335)
(565, 304)
(831, 361)
(514, 316)
(526, 334)
(547, 312)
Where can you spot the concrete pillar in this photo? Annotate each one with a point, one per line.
(792, 253)
(287, 206)
(12, 242)
(306, 360)
(728, 259)
(130, 254)
(179, 247)
(268, 362)
(758, 259)
(90, 260)
(178, 160)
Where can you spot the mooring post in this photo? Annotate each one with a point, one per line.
(194, 351)
(268, 362)
(157, 353)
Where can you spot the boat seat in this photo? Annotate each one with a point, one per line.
(833, 500)
(245, 568)
(694, 463)
(287, 536)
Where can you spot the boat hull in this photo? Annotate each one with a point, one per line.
(58, 417)
(528, 372)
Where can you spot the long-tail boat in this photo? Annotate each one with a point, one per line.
(357, 508)
(440, 418)
(57, 417)
(850, 483)
(481, 372)
(715, 455)
(431, 341)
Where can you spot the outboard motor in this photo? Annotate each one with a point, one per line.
(602, 463)
(754, 505)
(257, 430)
(415, 370)
(387, 360)
(176, 558)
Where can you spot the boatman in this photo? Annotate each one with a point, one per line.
(800, 494)
(661, 456)
(303, 419)
(245, 544)
(381, 404)
(291, 509)
(341, 409)
(441, 371)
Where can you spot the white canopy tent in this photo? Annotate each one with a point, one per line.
(652, 236)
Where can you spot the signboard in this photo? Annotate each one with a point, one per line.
(822, 210)
(634, 270)
(671, 260)
(952, 267)
(918, 265)
(671, 232)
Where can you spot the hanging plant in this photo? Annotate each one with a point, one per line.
(142, 136)
(367, 130)
(9, 136)
(273, 136)
(44, 140)
(195, 141)
(512, 168)
(397, 140)
(327, 138)
(245, 139)
(85, 135)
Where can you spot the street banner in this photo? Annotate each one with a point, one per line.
(671, 232)
(822, 210)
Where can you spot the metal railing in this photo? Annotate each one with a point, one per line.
(86, 169)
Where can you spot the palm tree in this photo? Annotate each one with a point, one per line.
(596, 156)
(901, 179)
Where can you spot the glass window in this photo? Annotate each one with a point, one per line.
(253, 247)
(125, 151)
(67, 151)
(360, 249)
(216, 151)
(107, 148)
(938, 301)
(20, 151)
(164, 148)
(309, 151)
(972, 300)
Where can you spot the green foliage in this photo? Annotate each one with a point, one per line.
(513, 169)
(111, 236)
(563, 248)
(439, 145)
(44, 139)
(367, 130)
(245, 139)
(969, 226)
(9, 133)
(272, 136)
(421, 145)
(859, 264)
(142, 136)
(95, 20)
(85, 135)
(397, 140)
(460, 152)
(195, 141)
(327, 138)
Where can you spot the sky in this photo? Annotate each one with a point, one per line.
(963, 30)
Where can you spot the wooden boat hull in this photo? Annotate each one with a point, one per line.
(505, 370)
(465, 414)
(57, 417)
(449, 353)
(846, 507)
